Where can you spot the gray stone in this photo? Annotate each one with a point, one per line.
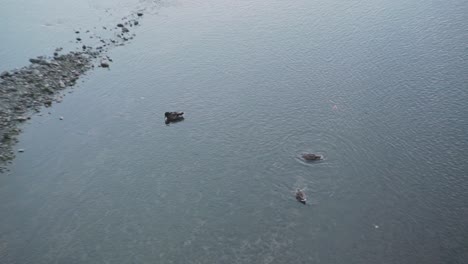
(4, 74)
(37, 61)
(104, 64)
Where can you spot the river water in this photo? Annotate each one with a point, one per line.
(377, 87)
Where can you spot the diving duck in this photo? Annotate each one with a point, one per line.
(310, 156)
(173, 117)
(300, 196)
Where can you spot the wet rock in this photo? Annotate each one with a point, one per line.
(20, 150)
(61, 118)
(78, 39)
(37, 61)
(4, 74)
(22, 118)
(139, 14)
(135, 23)
(125, 30)
(120, 25)
(104, 64)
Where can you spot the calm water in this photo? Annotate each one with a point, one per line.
(378, 87)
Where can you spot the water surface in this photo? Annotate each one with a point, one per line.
(378, 87)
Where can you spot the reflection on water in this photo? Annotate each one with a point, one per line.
(378, 89)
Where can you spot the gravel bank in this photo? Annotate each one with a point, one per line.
(38, 85)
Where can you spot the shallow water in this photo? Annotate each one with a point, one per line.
(378, 87)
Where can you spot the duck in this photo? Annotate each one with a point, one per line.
(173, 117)
(311, 156)
(300, 196)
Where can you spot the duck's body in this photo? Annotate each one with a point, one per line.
(311, 156)
(300, 196)
(173, 117)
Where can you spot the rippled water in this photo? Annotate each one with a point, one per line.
(377, 87)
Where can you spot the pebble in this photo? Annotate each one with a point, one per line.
(139, 14)
(120, 25)
(104, 64)
(4, 74)
(37, 61)
(125, 30)
(20, 150)
(61, 118)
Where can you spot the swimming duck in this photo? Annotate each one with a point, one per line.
(310, 156)
(300, 196)
(173, 117)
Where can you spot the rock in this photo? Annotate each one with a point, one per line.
(37, 61)
(120, 25)
(48, 90)
(78, 39)
(104, 64)
(61, 84)
(22, 118)
(4, 74)
(125, 30)
(84, 47)
(20, 150)
(48, 103)
(139, 14)
(61, 118)
(136, 23)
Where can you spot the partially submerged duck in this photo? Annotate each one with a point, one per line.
(173, 117)
(300, 196)
(311, 156)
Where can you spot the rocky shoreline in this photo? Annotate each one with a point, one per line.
(40, 84)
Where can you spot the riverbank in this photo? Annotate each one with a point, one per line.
(41, 83)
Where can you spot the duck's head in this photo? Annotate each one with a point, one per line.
(166, 114)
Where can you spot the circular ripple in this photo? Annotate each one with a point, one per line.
(333, 146)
